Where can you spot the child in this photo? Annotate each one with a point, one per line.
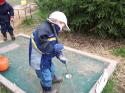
(44, 46)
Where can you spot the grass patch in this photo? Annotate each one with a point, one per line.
(119, 51)
(41, 16)
(27, 22)
(4, 89)
(14, 2)
(18, 2)
(109, 86)
(37, 18)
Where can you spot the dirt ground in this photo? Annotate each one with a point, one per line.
(94, 45)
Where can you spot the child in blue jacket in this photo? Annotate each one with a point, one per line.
(44, 46)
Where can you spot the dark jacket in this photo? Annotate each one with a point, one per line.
(6, 11)
(42, 34)
(45, 40)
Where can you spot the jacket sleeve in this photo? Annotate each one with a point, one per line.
(11, 10)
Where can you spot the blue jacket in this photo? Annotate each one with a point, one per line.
(42, 40)
(6, 11)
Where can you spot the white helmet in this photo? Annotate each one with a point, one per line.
(60, 16)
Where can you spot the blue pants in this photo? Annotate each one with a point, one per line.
(46, 76)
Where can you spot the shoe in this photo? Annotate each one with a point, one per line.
(51, 91)
(12, 35)
(13, 38)
(5, 39)
(57, 79)
(4, 36)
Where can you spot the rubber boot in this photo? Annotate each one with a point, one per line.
(48, 90)
(5, 36)
(5, 39)
(12, 35)
(57, 79)
(51, 91)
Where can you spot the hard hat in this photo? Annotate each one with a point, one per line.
(2, 1)
(60, 16)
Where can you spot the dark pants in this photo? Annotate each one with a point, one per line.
(6, 27)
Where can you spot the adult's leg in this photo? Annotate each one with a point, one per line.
(3, 31)
(10, 30)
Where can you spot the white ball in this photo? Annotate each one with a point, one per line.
(69, 76)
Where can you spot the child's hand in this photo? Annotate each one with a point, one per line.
(63, 59)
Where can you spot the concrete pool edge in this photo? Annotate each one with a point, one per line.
(109, 70)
